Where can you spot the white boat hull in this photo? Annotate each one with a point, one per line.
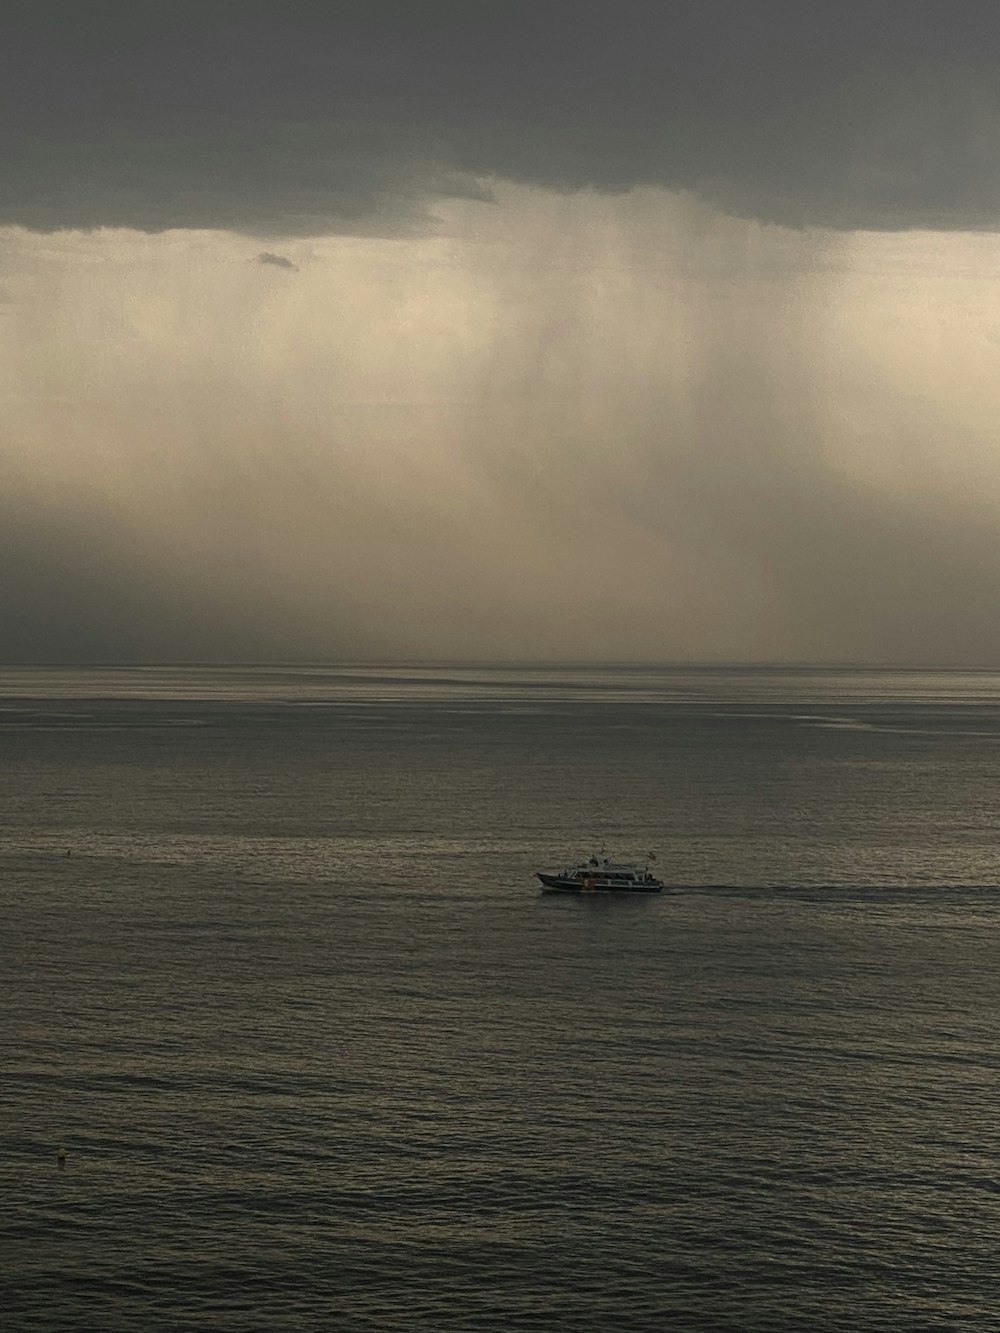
(596, 884)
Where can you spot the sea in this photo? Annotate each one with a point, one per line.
(290, 1040)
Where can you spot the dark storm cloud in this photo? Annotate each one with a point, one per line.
(74, 585)
(303, 119)
(277, 261)
(80, 585)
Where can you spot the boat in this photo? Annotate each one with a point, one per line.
(601, 875)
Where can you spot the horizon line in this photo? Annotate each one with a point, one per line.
(440, 663)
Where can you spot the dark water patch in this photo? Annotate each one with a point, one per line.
(322, 1057)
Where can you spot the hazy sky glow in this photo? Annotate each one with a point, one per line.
(536, 358)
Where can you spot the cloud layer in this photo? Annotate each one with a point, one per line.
(311, 119)
(572, 330)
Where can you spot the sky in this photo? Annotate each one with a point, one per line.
(558, 331)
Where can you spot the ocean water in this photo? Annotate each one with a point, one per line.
(276, 973)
